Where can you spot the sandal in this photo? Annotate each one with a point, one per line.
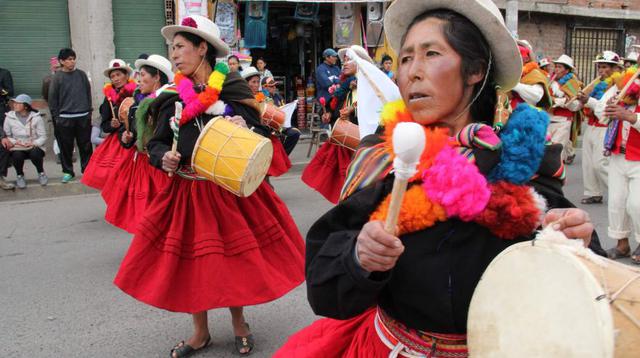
(614, 254)
(184, 350)
(635, 257)
(592, 200)
(244, 342)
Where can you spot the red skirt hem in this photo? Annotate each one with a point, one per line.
(327, 171)
(280, 163)
(128, 192)
(200, 247)
(328, 338)
(106, 156)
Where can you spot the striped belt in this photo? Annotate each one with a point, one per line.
(409, 343)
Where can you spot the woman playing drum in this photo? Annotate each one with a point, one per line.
(198, 246)
(408, 295)
(134, 182)
(110, 152)
(280, 163)
(327, 170)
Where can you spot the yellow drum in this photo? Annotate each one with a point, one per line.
(231, 156)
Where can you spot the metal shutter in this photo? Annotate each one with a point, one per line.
(32, 32)
(136, 28)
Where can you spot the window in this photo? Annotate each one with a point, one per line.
(584, 43)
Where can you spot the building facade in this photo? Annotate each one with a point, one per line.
(578, 28)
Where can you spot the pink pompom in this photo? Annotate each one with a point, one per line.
(457, 185)
(323, 101)
(188, 21)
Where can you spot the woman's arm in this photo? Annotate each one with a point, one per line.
(162, 139)
(337, 286)
(41, 132)
(107, 115)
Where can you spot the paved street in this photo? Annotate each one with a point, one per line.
(58, 258)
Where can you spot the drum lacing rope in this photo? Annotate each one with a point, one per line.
(623, 310)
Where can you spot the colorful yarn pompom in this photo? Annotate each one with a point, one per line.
(456, 184)
(511, 212)
(417, 211)
(523, 141)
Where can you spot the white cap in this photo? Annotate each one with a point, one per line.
(565, 60)
(117, 64)
(158, 62)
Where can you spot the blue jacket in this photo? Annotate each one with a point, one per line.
(325, 77)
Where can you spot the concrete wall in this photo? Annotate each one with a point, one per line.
(91, 26)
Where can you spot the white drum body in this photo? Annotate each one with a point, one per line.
(552, 299)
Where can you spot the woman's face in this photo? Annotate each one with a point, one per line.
(19, 107)
(260, 64)
(186, 56)
(349, 67)
(387, 65)
(430, 76)
(148, 83)
(118, 78)
(254, 84)
(605, 70)
(234, 65)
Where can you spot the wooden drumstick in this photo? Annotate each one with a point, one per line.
(174, 123)
(113, 113)
(408, 144)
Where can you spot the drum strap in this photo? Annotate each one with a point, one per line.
(622, 309)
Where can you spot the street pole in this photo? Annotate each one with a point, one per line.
(512, 16)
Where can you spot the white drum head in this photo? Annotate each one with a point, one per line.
(539, 301)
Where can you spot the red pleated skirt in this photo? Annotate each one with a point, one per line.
(200, 247)
(280, 163)
(129, 190)
(102, 162)
(327, 171)
(329, 338)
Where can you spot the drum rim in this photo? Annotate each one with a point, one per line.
(605, 318)
(120, 107)
(333, 128)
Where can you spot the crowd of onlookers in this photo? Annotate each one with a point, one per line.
(67, 92)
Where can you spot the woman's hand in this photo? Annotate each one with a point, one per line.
(170, 161)
(127, 137)
(574, 223)
(115, 123)
(326, 117)
(376, 249)
(6, 143)
(619, 112)
(353, 84)
(238, 120)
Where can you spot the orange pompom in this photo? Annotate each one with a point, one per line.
(416, 213)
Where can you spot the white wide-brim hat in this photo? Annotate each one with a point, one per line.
(200, 26)
(249, 72)
(565, 60)
(609, 57)
(544, 62)
(117, 64)
(157, 62)
(483, 13)
(632, 57)
(359, 51)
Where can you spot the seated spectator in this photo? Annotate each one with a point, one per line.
(25, 131)
(288, 136)
(97, 135)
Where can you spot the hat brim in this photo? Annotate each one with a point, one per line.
(167, 71)
(252, 74)
(107, 72)
(506, 57)
(222, 49)
(365, 56)
(607, 62)
(564, 63)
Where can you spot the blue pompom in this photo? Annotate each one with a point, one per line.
(523, 141)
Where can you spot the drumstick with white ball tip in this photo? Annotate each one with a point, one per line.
(174, 123)
(408, 144)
